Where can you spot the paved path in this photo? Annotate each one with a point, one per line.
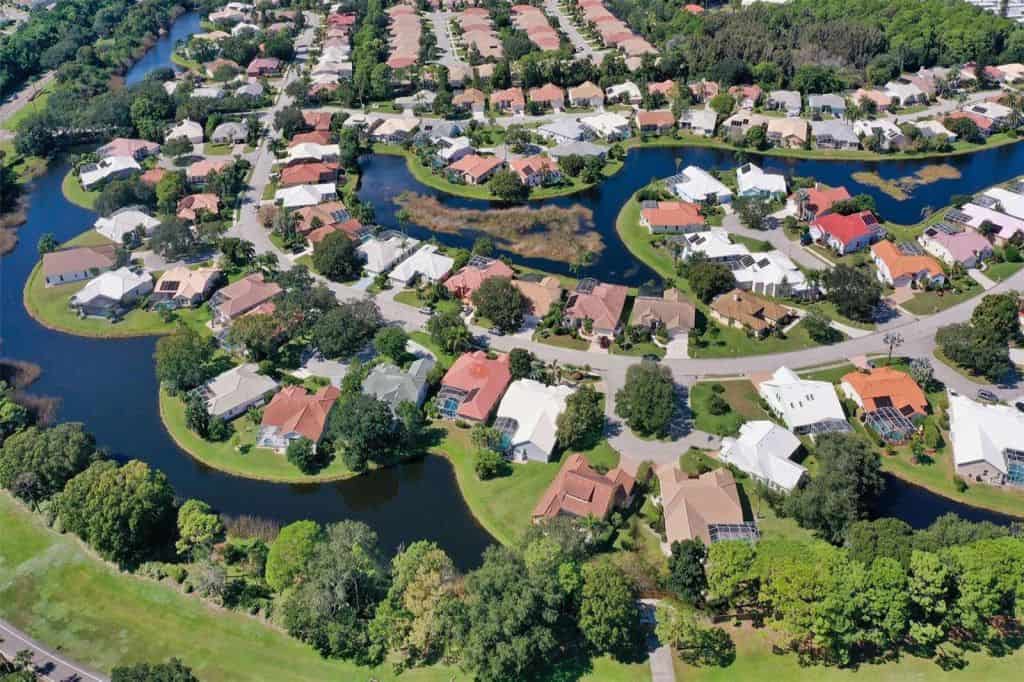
(49, 664)
(439, 20)
(579, 43)
(15, 102)
(981, 278)
(943, 106)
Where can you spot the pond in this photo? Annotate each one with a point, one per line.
(159, 56)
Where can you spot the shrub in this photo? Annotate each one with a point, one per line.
(717, 405)
(489, 464)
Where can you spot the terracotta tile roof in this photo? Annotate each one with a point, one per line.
(484, 379)
(692, 504)
(153, 176)
(308, 174)
(314, 137)
(579, 490)
(673, 213)
(468, 97)
(244, 295)
(468, 279)
(476, 166)
(902, 265)
(664, 87)
(749, 309)
(529, 166)
(603, 305)
(317, 120)
(513, 96)
(983, 122)
(541, 295)
(548, 92)
(329, 213)
(820, 199)
(185, 283)
(585, 91)
(887, 387)
(846, 228)
(658, 119)
(200, 169)
(293, 410)
(190, 206)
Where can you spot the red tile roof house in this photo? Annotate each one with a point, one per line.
(536, 170)
(318, 120)
(815, 201)
(473, 386)
(845, 233)
(191, 207)
(308, 174)
(548, 96)
(126, 146)
(581, 491)
(263, 66)
(666, 88)
(200, 170)
(986, 125)
(655, 122)
(471, 99)
(474, 169)
(661, 217)
(898, 269)
(510, 100)
(468, 279)
(600, 303)
(747, 96)
(240, 297)
(312, 137)
(153, 176)
(292, 414)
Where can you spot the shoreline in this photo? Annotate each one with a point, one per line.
(981, 506)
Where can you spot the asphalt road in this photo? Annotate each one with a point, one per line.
(49, 664)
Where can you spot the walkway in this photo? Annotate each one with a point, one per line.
(49, 665)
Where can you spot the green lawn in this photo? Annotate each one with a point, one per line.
(37, 104)
(25, 168)
(78, 196)
(1001, 271)
(212, 149)
(829, 310)
(227, 456)
(563, 341)
(730, 342)
(741, 396)
(930, 302)
(639, 349)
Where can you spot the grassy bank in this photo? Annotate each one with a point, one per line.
(237, 456)
(76, 194)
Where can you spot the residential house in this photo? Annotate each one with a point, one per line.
(193, 206)
(225, 66)
(751, 181)
(124, 221)
(317, 137)
(905, 94)
(474, 169)
(655, 122)
(714, 244)
(125, 146)
(263, 66)
(607, 125)
(845, 233)
(328, 214)
(584, 149)
(470, 99)
(473, 385)
(298, 196)
(586, 95)
(153, 176)
(230, 132)
(964, 247)
(540, 296)
(527, 419)
(395, 130)
(240, 297)
(745, 310)
(75, 264)
(188, 129)
(901, 266)
(451, 149)
(181, 287)
(787, 132)
(701, 122)
(704, 91)
(811, 202)
(395, 386)
(563, 131)
(986, 126)
(1000, 114)
(676, 217)
(599, 303)
(549, 96)
(736, 127)
(670, 312)
(706, 508)
(828, 103)
(883, 388)
(974, 216)
(468, 279)
(881, 100)
(666, 88)
(623, 93)
(382, 252)
(581, 491)
(534, 171)
(425, 265)
(986, 441)
(834, 134)
(698, 186)
(788, 101)
(932, 128)
(747, 96)
(883, 132)
(310, 151)
(421, 99)
(1006, 201)
(93, 175)
(250, 90)
(199, 171)
(232, 393)
(318, 120)
(111, 293)
(804, 405)
(313, 173)
(293, 414)
(764, 452)
(509, 101)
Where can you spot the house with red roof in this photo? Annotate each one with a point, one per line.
(814, 201)
(602, 304)
(473, 386)
(510, 100)
(194, 205)
(693, 9)
(671, 217)
(845, 233)
(666, 88)
(474, 169)
(263, 66)
(655, 122)
(153, 176)
(318, 120)
(468, 279)
(548, 95)
(127, 146)
(536, 170)
(580, 490)
(292, 414)
(199, 171)
(899, 267)
(314, 173)
(985, 124)
(311, 137)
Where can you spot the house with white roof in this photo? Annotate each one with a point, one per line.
(583, 149)
(298, 196)
(122, 221)
(451, 149)
(986, 441)
(233, 392)
(394, 130)
(607, 125)
(714, 245)
(805, 406)
(700, 187)
(751, 181)
(834, 134)
(528, 419)
(763, 450)
(563, 130)
(384, 251)
(905, 94)
(627, 93)
(974, 216)
(110, 168)
(112, 292)
(311, 151)
(426, 265)
(208, 92)
(788, 101)
(1009, 202)
(230, 131)
(889, 134)
(828, 103)
(188, 129)
(933, 128)
(699, 122)
(772, 273)
(999, 113)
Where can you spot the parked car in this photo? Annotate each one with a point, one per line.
(987, 395)
(1019, 405)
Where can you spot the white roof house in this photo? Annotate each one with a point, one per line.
(109, 168)
(890, 133)
(233, 392)
(713, 244)
(771, 273)
(305, 195)
(1010, 203)
(699, 121)
(697, 185)
(563, 130)
(307, 151)
(905, 93)
(119, 223)
(115, 285)
(983, 436)
(382, 252)
(426, 263)
(801, 403)
(993, 110)
(528, 416)
(751, 181)
(933, 128)
(208, 92)
(189, 129)
(230, 131)
(607, 125)
(763, 450)
(451, 149)
(628, 89)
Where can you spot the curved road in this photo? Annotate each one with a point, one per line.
(49, 665)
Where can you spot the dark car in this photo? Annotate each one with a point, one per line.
(1019, 405)
(651, 357)
(987, 395)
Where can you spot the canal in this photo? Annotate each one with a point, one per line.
(110, 385)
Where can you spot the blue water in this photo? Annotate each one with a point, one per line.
(159, 56)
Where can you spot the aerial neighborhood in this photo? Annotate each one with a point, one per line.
(576, 339)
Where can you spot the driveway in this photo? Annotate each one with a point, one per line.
(981, 278)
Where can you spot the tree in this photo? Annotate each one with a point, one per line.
(488, 464)
(172, 239)
(170, 189)
(820, 329)
(844, 490)
(171, 671)
(877, 538)
(753, 212)
(126, 513)
(965, 129)
(930, 587)
(289, 121)
(336, 258)
(197, 415)
(391, 341)
(855, 204)
(290, 554)
(581, 425)
(449, 332)
(722, 104)
(729, 574)
(181, 360)
(608, 609)
(855, 293)
(198, 528)
(498, 300)
(974, 349)
(696, 645)
(259, 334)
(345, 330)
(363, 429)
(238, 253)
(686, 570)
(922, 373)
(520, 363)
(996, 318)
(50, 457)
(507, 186)
(47, 244)
(647, 401)
(709, 279)
(302, 452)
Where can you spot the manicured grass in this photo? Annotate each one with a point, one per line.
(211, 149)
(423, 338)
(640, 349)
(76, 194)
(37, 104)
(929, 302)
(741, 397)
(25, 168)
(966, 373)
(563, 341)
(408, 297)
(187, 63)
(829, 310)
(228, 456)
(1001, 271)
(730, 342)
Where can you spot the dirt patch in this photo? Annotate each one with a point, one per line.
(900, 189)
(548, 232)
